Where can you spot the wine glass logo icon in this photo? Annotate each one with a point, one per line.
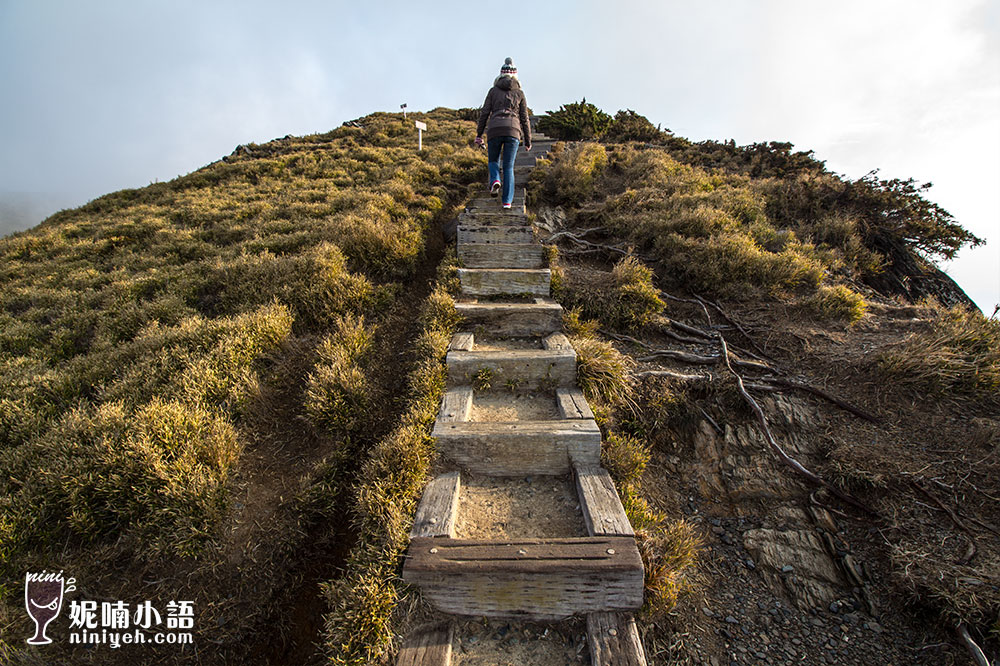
(43, 595)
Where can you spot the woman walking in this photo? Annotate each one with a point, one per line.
(504, 118)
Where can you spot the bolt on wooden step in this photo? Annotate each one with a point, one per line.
(614, 640)
(545, 579)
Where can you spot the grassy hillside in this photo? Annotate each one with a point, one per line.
(219, 388)
(812, 279)
(162, 350)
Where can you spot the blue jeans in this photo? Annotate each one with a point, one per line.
(509, 145)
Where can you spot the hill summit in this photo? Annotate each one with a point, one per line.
(221, 389)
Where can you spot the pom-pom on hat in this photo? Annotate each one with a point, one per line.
(508, 68)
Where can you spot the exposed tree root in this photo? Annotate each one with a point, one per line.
(972, 549)
(809, 388)
(795, 465)
(974, 650)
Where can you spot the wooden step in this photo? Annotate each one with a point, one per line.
(513, 368)
(614, 640)
(572, 404)
(494, 233)
(429, 645)
(493, 207)
(499, 281)
(520, 447)
(542, 579)
(485, 217)
(501, 255)
(512, 319)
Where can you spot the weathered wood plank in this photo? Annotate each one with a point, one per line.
(520, 447)
(557, 342)
(602, 508)
(438, 508)
(456, 404)
(481, 233)
(497, 281)
(494, 216)
(501, 255)
(614, 640)
(512, 319)
(429, 645)
(461, 342)
(572, 404)
(534, 578)
(528, 368)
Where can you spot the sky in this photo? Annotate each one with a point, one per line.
(104, 95)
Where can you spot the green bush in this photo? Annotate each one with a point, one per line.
(575, 122)
(838, 303)
(630, 126)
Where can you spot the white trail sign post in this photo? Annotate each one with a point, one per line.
(420, 134)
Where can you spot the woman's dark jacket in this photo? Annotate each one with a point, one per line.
(505, 112)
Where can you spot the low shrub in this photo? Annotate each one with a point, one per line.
(603, 372)
(625, 298)
(960, 353)
(839, 303)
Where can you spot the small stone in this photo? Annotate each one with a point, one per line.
(834, 607)
(875, 626)
(788, 568)
(727, 539)
(796, 641)
(732, 620)
(749, 564)
(718, 530)
(708, 612)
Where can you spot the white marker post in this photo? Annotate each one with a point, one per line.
(420, 134)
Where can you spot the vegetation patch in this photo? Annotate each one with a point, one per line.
(139, 335)
(959, 354)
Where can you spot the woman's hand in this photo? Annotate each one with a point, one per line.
(479, 140)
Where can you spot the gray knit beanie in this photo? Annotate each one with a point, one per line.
(508, 68)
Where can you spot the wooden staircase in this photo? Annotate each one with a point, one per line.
(599, 576)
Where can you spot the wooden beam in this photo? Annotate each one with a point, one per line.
(530, 578)
(456, 404)
(572, 404)
(602, 508)
(461, 342)
(519, 447)
(614, 640)
(438, 508)
(429, 645)
(512, 319)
